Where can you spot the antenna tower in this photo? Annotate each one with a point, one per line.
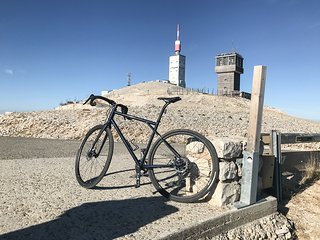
(129, 79)
(233, 47)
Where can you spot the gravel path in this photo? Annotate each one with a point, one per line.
(40, 199)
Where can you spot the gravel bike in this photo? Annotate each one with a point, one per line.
(182, 164)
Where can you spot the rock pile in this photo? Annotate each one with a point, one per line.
(275, 226)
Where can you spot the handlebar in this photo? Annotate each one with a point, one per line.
(92, 98)
(124, 109)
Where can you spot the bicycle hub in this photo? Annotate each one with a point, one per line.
(181, 165)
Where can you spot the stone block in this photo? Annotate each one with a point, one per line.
(228, 171)
(225, 194)
(195, 147)
(227, 148)
(200, 167)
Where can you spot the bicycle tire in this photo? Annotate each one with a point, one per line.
(189, 177)
(86, 161)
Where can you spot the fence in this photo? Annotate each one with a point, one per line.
(186, 91)
(278, 162)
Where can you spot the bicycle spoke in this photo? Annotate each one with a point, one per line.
(168, 177)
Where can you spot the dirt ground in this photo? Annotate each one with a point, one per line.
(304, 210)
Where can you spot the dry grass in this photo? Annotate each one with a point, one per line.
(304, 207)
(312, 169)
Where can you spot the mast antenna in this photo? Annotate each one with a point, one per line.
(129, 79)
(233, 47)
(177, 44)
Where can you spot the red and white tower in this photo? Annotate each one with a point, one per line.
(177, 43)
(177, 64)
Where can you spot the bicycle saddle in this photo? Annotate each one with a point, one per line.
(170, 100)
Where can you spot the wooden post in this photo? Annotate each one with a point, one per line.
(251, 156)
(256, 108)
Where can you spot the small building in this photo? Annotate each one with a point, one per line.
(228, 67)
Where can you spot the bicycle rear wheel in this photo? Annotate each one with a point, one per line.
(186, 165)
(94, 156)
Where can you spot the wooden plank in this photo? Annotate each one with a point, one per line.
(265, 138)
(256, 108)
(287, 138)
(267, 171)
(299, 138)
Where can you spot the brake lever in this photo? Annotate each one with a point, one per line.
(124, 110)
(86, 101)
(90, 98)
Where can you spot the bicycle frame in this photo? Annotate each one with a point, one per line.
(153, 125)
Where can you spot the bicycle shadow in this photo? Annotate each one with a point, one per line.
(98, 220)
(99, 187)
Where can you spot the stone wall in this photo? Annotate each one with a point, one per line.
(229, 152)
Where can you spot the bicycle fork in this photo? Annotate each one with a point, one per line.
(92, 152)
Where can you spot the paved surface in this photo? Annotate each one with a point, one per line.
(25, 148)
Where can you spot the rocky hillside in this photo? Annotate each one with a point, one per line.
(210, 115)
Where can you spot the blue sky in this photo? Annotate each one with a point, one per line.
(53, 51)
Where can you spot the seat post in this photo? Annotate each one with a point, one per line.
(162, 111)
(167, 102)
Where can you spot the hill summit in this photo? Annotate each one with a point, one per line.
(210, 115)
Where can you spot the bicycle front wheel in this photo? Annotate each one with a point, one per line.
(94, 156)
(185, 165)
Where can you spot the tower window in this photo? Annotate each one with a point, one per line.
(231, 60)
(225, 91)
(225, 61)
(219, 61)
(239, 61)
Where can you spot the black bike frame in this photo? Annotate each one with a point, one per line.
(153, 125)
